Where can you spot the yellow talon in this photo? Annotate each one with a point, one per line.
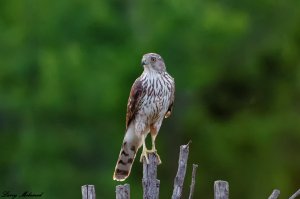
(145, 152)
(156, 154)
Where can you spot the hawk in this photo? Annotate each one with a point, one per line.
(150, 100)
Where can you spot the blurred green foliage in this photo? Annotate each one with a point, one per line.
(66, 68)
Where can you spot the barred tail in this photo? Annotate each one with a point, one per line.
(126, 156)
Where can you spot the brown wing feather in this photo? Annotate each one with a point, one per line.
(170, 109)
(133, 101)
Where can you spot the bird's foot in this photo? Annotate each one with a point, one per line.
(153, 150)
(145, 154)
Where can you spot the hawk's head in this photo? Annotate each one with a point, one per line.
(153, 61)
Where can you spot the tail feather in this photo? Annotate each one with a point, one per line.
(125, 160)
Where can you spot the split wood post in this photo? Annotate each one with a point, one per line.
(192, 186)
(295, 195)
(88, 192)
(150, 183)
(123, 191)
(274, 194)
(179, 179)
(221, 189)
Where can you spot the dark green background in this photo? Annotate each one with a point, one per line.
(66, 68)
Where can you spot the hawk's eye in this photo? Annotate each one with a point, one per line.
(153, 59)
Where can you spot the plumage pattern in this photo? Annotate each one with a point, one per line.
(151, 100)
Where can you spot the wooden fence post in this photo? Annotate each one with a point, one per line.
(179, 179)
(221, 189)
(123, 191)
(192, 186)
(88, 192)
(295, 195)
(150, 183)
(274, 194)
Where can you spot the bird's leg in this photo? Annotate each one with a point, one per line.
(145, 151)
(153, 150)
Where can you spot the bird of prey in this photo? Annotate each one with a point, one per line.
(150, 100)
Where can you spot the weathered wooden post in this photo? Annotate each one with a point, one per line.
(179, 179)
(88, 192)
(150, 183)
(123, 191)
(221, 189)
(295, 195)
(192, 186)
(274, 194)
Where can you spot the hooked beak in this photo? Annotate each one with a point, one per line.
(143, 62)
